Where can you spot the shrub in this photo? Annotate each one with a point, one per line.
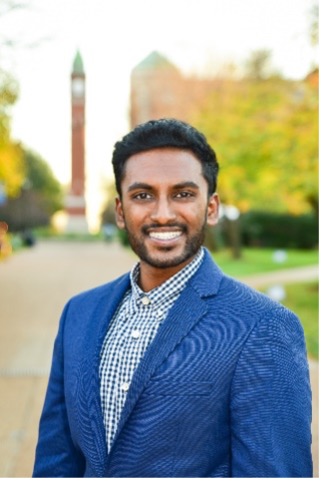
(265, 229)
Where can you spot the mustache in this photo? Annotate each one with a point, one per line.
(150, 227)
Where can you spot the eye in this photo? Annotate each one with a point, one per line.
(184, 195)
(142, 196)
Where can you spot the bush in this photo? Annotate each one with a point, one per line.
(265, 229)
(123, 237)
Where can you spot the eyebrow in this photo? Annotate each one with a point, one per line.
(148, 187)
(186, 184)
(139, 185)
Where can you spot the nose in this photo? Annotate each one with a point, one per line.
(163, 212)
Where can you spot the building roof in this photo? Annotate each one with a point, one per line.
(154, 61)
(78, 67)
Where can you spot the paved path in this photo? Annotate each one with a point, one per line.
(291, 275)
(35, 284)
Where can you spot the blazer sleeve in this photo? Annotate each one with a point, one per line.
(56, 454)
(271, 401)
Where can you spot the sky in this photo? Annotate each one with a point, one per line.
(113, 36)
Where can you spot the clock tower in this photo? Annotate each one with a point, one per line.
(75, 203)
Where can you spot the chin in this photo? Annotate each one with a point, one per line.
(167, 259)
(167, 256)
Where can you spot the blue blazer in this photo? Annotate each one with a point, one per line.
(222, 391)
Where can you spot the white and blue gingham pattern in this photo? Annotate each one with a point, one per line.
(130, 332)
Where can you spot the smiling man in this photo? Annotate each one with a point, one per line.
(174, 369)
(164, 206)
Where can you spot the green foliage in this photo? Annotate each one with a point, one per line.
(265, 133)
(40, 179)
(303, 299)
(40, 196)
(266, 229)
(8, 90)
(257, 66)
(11, 159)
(123, 237)
(108, 212)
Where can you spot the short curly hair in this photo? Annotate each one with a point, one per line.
(165, 133)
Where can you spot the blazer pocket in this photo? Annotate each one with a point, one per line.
(178, 389)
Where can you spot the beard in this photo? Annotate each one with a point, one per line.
(191, 247)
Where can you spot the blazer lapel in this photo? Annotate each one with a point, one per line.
(97, 329)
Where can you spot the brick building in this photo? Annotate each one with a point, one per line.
(159, 89)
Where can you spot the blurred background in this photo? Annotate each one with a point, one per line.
(74, 78)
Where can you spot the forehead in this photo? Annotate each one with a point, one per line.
(163, 164)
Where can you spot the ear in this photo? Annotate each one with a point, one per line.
(213, 210)
(119, 214)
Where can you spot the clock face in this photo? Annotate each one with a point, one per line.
(78, 87)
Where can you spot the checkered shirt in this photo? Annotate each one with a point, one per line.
(130, 332)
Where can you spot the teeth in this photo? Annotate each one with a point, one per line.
(165, 235)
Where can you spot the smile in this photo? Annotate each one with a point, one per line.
(165, 235)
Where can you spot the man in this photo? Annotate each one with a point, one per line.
(174, 370)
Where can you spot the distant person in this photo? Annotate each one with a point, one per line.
(5, 245)
(28, 239)
(174, 369)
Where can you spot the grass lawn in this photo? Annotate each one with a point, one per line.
(303, 299)
(254, 260)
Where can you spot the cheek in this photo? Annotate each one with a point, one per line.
(195, 214)
(135, 217)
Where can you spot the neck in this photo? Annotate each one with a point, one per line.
(151, 277)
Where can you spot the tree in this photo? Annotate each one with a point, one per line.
(108, 211)
(314, 24)
(40, 179)
(265, 133)
(40, 197)
(12, 162)
(11, 158)
(258, 65)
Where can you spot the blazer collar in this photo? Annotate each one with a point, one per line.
(207, 279)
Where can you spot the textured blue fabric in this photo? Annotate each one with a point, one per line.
(222, 391)
(121, 353)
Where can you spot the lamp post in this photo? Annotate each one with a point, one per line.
(232, 215)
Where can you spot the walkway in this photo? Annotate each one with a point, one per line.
(35, 284)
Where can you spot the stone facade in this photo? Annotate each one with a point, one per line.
(159, 89)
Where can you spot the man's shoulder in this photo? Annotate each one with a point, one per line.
(235, 294)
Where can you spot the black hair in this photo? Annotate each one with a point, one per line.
(165, 133)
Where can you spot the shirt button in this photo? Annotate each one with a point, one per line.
(125, 386)
(145, 300)
(135, 334)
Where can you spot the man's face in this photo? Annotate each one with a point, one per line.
(165, 206)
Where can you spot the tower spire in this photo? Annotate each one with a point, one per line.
(75, 203)
(78, 67)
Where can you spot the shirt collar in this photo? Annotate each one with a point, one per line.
(172, 286)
